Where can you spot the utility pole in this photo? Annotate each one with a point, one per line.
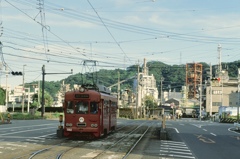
(137, 92)
(43, 81)
(162, 79)
(6, 87)
(238, 95)
(200, 101)
(28, 99)
(118, 92)
(39, 93)
(210, 89)
(23, 89)
(219, 57)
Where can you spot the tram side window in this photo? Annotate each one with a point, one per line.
(70, 108)
(93, 108)
(82, 107)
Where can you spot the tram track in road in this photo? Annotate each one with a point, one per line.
(136, 143)
(116, 144)
(123, 146)
(98, 146)
(67, 148)
(55, 151)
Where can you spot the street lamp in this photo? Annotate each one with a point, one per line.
(23, 89)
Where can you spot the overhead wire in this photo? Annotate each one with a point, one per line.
(109, 31)
(43, 26)
(168, 33)
(143, 31)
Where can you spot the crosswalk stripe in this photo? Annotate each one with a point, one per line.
(176, 152)
(178, 156)
(179, 149)
(175, 149)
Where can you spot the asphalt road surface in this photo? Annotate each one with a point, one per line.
(206, 139)
(190, 139)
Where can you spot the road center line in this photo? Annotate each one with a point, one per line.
(26, 131)
(213, 134)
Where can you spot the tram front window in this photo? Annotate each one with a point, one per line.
(93, 108)
(82, 107)
(70, 107)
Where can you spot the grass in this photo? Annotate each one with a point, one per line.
(28, 116)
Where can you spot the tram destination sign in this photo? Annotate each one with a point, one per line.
(81, 95)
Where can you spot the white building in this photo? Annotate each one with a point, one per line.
(146, 86)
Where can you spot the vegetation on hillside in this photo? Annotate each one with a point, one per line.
(174, 77)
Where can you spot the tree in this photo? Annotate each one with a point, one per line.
(150, 102)
(2, 96)
(47, 96)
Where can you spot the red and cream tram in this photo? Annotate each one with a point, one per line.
(89, 113)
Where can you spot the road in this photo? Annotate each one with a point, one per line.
(24, 135)
(26, 130)
(206, 139)
(191, 139)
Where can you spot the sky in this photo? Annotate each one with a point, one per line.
(62, 34)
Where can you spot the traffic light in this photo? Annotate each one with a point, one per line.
(215, 79)
(17, 73)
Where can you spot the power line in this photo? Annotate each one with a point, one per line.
(108, 30)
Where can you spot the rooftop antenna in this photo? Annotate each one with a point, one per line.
(219, 57)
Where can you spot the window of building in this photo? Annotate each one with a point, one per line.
(216, 103)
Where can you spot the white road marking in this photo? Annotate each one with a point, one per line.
(213, 134)
(11, 144)
(178, 156)
(229, 129)
(176, 152)
(31, 140)
(27, 131)
(175, 144)
(199, 126)
(91, 155)
(174, 128)
(204, 129)
(173, 149)
(27, 126)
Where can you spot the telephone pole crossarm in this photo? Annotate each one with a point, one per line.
(43, 82)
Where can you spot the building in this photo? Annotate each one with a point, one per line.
(146, 87)
(222, 91)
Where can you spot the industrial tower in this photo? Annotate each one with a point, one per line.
(193, 79)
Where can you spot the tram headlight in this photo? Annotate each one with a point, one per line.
(68, 124)
(81, 89)
(94, 125)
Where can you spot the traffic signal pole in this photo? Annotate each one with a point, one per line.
(43, 85)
